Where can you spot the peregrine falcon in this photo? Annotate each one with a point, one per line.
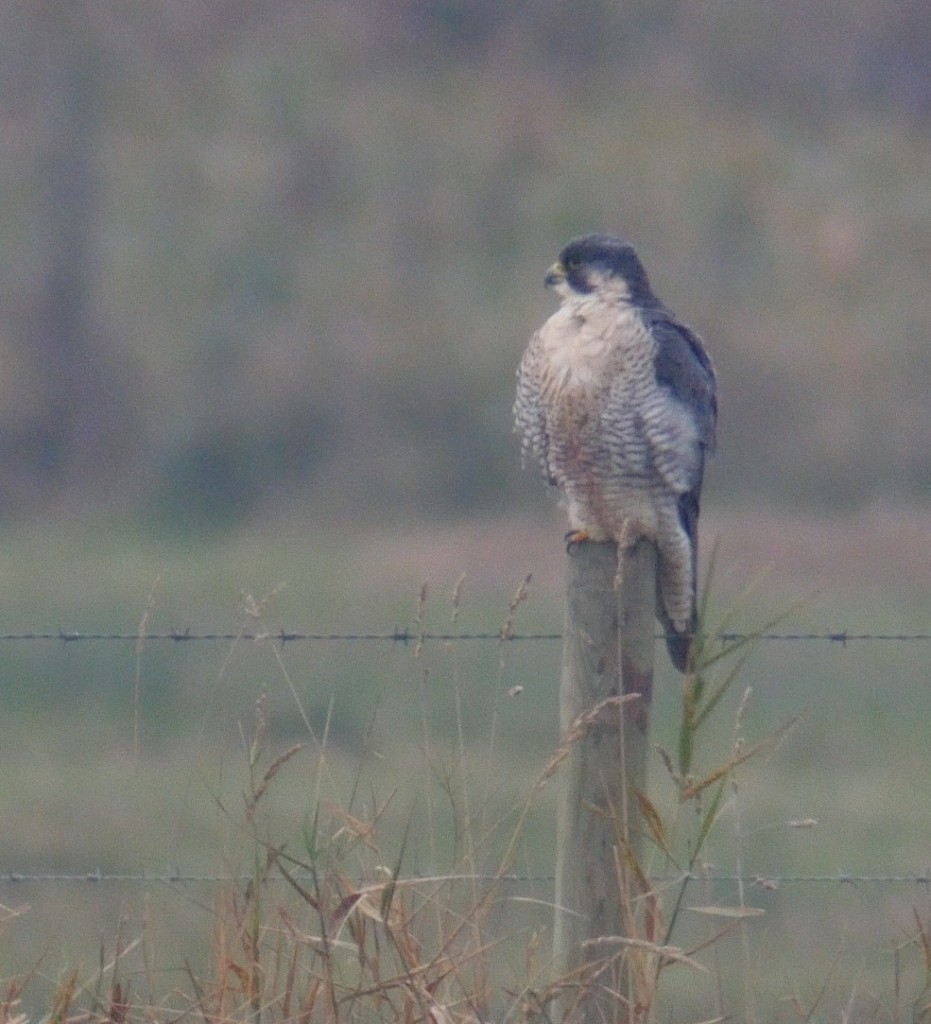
(616, 401)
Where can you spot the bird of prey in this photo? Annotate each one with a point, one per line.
(616, 402)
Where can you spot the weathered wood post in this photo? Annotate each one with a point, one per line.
(607, 653)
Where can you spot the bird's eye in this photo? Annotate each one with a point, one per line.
(573, 263)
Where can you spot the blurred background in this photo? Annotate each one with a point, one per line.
(267, 272)
(268, 254)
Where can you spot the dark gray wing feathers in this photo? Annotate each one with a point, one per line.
(684, 368)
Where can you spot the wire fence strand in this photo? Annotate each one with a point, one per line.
(14, 878)
(407, 636)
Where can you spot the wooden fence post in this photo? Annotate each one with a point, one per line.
(607, 653)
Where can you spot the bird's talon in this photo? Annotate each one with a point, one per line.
(576, 537)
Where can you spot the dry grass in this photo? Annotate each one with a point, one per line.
(334, 926)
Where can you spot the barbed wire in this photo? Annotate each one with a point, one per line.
(407, 636)
(404, 637)
(182, 878)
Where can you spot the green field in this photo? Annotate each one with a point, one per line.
(129, 758)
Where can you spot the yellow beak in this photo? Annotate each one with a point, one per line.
(555, 275)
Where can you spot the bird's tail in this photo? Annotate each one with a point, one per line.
(681, 642)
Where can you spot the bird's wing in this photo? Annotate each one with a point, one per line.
(685, 373)
(529, 412)
(682, 429)
(685, 369)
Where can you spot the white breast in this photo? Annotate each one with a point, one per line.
(587, 342)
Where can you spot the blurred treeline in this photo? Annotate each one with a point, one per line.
(279, 254)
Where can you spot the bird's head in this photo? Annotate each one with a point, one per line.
(600, 263)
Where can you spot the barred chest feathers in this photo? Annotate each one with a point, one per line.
(597, 384)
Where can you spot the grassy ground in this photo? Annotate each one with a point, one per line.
(134, 759)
